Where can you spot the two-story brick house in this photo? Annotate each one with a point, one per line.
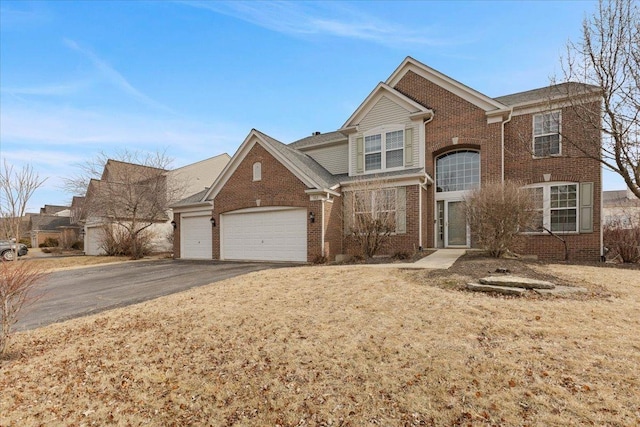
(422, 140)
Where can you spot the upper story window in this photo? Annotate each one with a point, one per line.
(257, 171)
(546, 134)
(384, 150)
(458, 171)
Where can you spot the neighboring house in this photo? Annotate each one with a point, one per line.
(621, 208)
(125, 188)
(421, 141)
(54, 210)
(45, 226)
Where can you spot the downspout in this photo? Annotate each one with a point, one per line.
(504, 122)
(322, 228)
(422, 185)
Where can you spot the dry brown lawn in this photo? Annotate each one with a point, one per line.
(54, 263)
(351, 346)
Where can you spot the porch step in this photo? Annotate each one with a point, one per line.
(516, 282)
(505, 290)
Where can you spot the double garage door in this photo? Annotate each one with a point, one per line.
(264, 235)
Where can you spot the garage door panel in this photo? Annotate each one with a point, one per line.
(195, 237)
(270, 235)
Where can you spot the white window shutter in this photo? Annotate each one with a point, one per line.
(586, 207)
(359, 154)
(408, 147)
(401, 210)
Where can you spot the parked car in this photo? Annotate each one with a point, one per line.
(8, 248)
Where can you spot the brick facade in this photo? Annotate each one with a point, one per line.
(456, 119)
(458, 124)
(278, 187)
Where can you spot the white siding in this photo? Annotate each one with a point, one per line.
(195, 177)
(93, 241)
(335, 158)
(387, 112)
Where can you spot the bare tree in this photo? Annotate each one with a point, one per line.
(498, 212)
(18, 284)
(127, 196)
(16, 189)
(17, 280)
(370, 215)
(608, 56)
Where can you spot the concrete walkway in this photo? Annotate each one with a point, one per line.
(441, 259)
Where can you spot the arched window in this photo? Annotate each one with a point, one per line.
(257, 171)
(458, 171)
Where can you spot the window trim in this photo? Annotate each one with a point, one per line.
(547, 209)
(448, 153)
(257, 171)
(383, 131)
(534, 136)
(372, 196)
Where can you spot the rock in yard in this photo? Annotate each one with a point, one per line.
(562, 290)
(505, 290)
(517, 282)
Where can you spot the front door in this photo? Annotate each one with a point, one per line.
(452, 230)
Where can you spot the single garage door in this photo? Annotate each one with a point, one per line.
(265, 235)
(195, 237)
(93, 240)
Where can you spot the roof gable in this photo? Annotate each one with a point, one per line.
(383, 89)
(465, 92)
(302, 166)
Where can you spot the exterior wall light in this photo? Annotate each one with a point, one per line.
(213, 221)
(174, 224)
(312, 217)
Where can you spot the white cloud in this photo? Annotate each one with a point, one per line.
(332, 19)
(114, 77)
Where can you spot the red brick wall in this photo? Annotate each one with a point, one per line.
(455, 117)
(571, 166)
(278, 187)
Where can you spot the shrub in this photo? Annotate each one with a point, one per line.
(401, 255)
(622, 241)
(119, 241)
(497, 212)
(49, 242)
(18, 280)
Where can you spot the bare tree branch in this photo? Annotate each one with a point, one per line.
(608, 57)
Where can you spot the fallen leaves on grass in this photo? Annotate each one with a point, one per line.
(335, 346)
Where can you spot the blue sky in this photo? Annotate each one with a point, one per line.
(193, 78)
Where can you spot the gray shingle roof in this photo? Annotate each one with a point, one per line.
(49, 222)
(192, 199)
(317, 173)
(322, 138)
(404, 172)
(544, 93)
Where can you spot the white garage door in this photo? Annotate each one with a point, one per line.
(93, 240)
(195, 237)
(268, 235)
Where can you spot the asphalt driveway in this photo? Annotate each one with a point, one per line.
(80, 292)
